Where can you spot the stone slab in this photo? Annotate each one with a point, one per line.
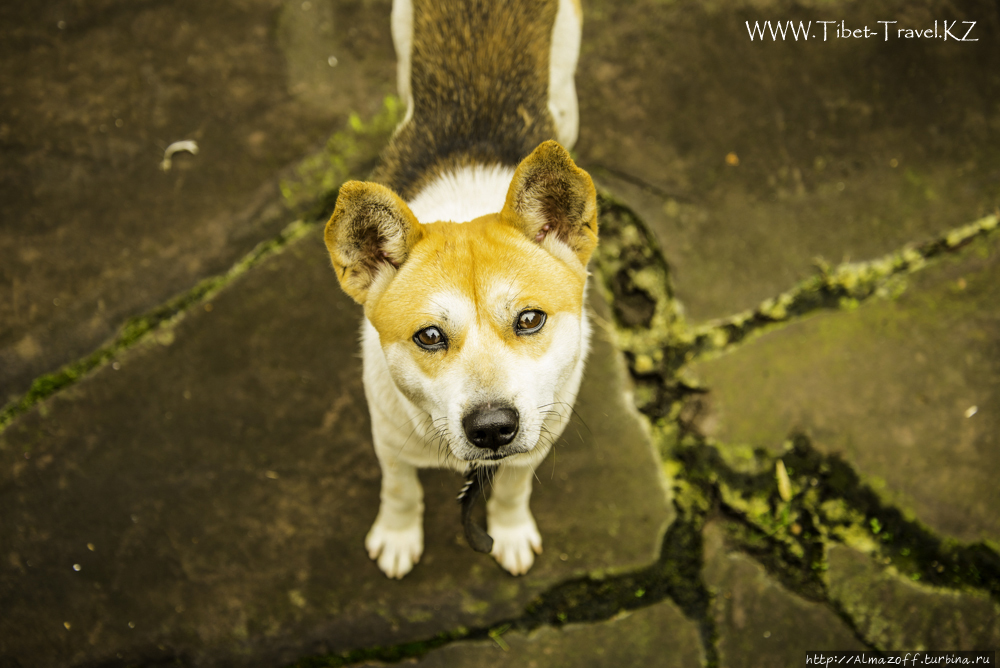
(846, 148)
(215, 489)
(93, 231)
(905, 390)
(893, 613)
(759, 622)
(656, 637)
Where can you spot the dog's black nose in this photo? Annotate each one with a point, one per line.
(491, 428)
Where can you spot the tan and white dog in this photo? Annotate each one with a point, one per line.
(468, 251)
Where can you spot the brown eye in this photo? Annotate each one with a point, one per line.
(430, 338)
(529, 322)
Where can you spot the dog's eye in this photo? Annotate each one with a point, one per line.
(529, 322)
(430, 338)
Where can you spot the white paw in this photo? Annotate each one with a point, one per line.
(396, 550)
(515, 547)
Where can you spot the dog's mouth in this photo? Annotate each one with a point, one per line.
(474, 459)
(493, 457)
(474, 455)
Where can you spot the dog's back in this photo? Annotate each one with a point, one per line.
(484, 83)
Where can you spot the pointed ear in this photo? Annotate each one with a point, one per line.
(371, 231)
(551, 196)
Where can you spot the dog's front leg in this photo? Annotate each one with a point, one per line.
(397, 537)
(509, 522)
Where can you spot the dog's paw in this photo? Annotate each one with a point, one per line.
(395, 550)
(515, 547)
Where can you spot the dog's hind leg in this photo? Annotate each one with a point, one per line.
(509, 521)
(396, 539)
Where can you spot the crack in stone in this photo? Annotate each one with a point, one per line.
(829, 504)
(142, 328)
(832, 504)
(824, 500)
(311, 191)
(843, 286)
(675, 576)
(638, 182)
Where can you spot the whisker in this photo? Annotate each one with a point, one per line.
(580, 418)
(441, 442)
(573, 417)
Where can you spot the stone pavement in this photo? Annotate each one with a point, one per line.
(788, 428)
(94, 231)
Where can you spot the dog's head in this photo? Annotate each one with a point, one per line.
(481, 322)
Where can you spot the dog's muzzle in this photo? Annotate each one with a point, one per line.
(491, 427)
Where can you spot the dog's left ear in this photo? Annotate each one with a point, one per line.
(371, 232)
(551, 196)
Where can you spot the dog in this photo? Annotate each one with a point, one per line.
(468, 250)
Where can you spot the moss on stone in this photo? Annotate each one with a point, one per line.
(350, 153)
(842, 287)
(311, 191)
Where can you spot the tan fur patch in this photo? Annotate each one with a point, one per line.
(476, 260)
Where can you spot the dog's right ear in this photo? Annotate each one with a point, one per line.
(371, 231)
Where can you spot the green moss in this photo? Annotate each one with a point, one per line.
(311, 191)
(351, 153)
(158, 321)
(843, 287)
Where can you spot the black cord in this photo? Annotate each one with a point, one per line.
(478, 539)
